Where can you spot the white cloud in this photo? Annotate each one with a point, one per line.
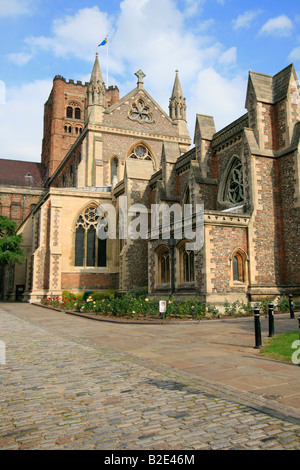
(244, 20)
(228, 57)
(19, 58)
(15, 7)
(279, 26)
(149, 34)
(192, 7)
(219, 97)
(21, 120)
(77, 36)
(295, 54)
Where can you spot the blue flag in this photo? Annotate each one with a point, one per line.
(103, 42)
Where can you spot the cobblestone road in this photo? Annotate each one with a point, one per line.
(59, 393)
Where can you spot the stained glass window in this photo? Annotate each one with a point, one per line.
(234, 190)
(140, 152)
(90, 251)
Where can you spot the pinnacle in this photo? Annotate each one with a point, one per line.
(177, 91)
(96, 73)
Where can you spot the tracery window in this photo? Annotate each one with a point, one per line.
(234, 188)
(187, 264)
(140, 152)
(165, 268)
(90, 251)
(140, 112)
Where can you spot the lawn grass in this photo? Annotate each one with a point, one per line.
(280, 347)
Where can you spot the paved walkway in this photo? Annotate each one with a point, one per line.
(73, 383)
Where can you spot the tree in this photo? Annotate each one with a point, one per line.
(10, 251)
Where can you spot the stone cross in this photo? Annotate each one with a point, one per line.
(140, 75)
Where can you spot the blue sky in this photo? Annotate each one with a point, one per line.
(213, 44)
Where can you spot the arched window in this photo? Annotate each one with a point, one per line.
(69, 113)
(140, 152)
(73, 111)
(163, 265)
(186, 206)
(186, 264)
(238, 266)
(77, 113)
(32, 207)
(234, 186)
(114, 170)
(90, 251)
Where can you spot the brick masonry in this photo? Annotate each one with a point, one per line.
(263, 227)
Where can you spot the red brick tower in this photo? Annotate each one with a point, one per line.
(64, 118)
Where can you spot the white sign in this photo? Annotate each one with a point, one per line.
(162, 306)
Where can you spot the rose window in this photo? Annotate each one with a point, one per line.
(140, 113)
(140, 152)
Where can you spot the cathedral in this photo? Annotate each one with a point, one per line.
(99, 150)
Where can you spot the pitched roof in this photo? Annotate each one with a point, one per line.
(20, 173)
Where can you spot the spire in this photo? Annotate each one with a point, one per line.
(96, 73)
(96, 87)
(177, 104)
(177, 91)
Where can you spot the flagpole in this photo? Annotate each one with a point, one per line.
(107, 62)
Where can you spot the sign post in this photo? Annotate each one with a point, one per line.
(163, 307)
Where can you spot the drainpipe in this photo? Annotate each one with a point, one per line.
(24, 199)
(171, 244)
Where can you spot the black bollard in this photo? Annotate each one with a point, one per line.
(257, 328)
(271, 319)
(291, 306)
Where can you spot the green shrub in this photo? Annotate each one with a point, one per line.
(238, 308)
(67, 294)
(283, 304)
(103, 295)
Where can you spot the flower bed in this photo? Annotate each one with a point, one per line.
(128, 306)
(140, 307)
